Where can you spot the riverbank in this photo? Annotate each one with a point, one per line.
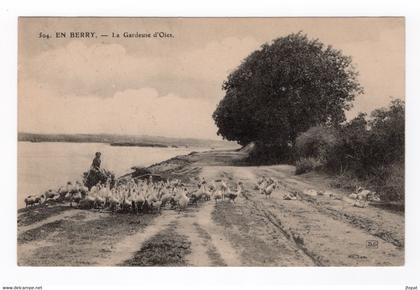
(255, 231)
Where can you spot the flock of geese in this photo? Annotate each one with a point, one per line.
(146, 196)
(141, 196)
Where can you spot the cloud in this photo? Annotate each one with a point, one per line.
(140, 111)
(100, 88)
(78, 69)
(104, 69)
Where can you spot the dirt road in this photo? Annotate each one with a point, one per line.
(255, 231)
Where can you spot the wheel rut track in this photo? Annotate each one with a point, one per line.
(276, 222)
(363, 223)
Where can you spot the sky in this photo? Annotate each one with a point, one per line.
(170, 86)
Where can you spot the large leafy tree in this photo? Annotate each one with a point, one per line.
(284, 88)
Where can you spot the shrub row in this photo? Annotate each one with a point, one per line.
(370, 149)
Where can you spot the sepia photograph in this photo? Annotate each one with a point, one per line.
(211, 142)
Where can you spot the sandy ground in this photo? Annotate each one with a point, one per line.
(255, 231)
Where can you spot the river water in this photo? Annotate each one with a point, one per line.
(46, 165)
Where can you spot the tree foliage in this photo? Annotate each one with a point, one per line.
(377, 141)
(283, 89)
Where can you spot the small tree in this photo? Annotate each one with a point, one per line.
(387, 137)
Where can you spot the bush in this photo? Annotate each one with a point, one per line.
(318, 142)
(389, 182)
(346, 181)
(352, 151)
(369, 144)
(305, 165)
(368, 150)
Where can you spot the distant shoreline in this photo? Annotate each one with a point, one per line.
(127, 144)
(116, 144)
(127, 140)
